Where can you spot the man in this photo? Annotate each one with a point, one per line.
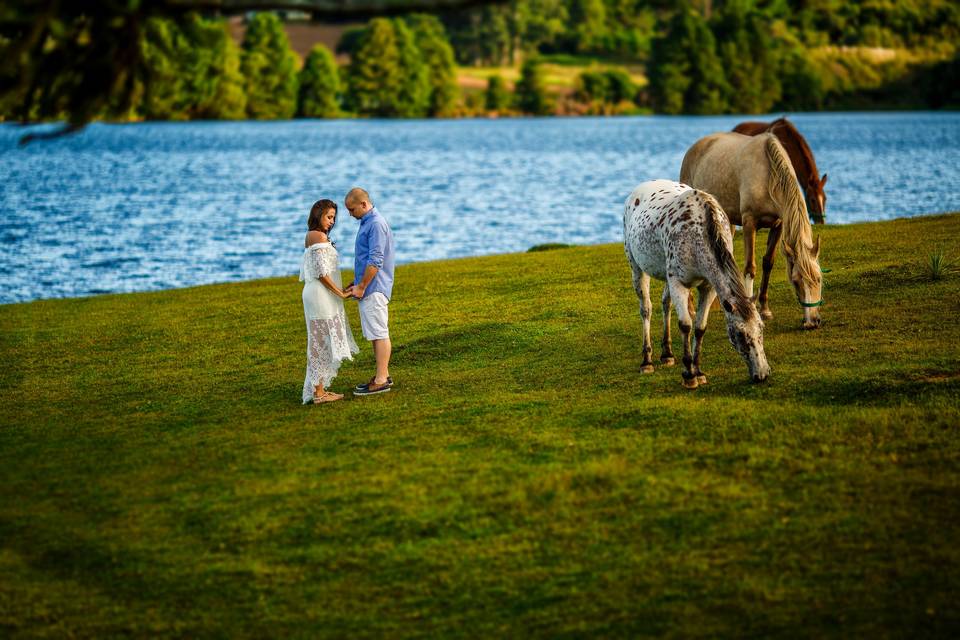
(372, 284)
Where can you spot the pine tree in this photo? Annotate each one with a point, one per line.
(374, 77)
(437, 53)
(218, 84)
(163, 86)
(270, 69)
(413, 99)
(319, 85)
(531, 91)
(191, 71)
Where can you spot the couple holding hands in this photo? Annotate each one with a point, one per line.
(329, 340)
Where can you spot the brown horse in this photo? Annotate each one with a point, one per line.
(800, 157)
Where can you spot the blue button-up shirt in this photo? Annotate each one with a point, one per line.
(374, 246)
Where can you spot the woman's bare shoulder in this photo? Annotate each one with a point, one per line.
(313, 237)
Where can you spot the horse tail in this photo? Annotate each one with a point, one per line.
(785, 192)
(717, 224)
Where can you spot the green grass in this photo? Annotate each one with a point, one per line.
(939, 265)
(158, 475)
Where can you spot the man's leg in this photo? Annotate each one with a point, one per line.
(381, 351)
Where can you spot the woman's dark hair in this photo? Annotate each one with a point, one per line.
(316, 212)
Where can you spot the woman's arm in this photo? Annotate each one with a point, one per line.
(332, 286)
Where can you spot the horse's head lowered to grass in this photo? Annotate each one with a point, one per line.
(803, 271)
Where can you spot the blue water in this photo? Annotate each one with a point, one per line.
(152, 206)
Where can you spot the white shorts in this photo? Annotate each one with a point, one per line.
(373, 316)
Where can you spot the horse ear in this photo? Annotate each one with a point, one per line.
(787, 251)
(816, 247)
(823, 180)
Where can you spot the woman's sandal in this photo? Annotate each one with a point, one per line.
(327, 396)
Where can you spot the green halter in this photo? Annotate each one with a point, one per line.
(810, 304)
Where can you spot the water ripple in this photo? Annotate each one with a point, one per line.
(151, 206)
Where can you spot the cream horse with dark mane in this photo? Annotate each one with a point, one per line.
(754, 182)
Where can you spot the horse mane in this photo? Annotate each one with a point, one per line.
(805, 153)
(786, 195)
(716, 221)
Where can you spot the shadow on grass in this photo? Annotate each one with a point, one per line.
(484, 341)
(916, 388)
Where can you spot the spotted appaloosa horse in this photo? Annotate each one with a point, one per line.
(681, 236)
(801, 157)
(752, 179)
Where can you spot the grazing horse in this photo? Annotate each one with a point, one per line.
(801, 157)
(753, 181)
(681, 236)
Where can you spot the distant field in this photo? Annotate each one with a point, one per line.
(560, 72)
(159, 477)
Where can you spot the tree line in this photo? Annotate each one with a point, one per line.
(699, 56)
(735, 56)
(402, 68)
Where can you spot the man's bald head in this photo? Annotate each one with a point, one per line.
(357, 195)
(358, 202)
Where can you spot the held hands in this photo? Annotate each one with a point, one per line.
(353, 291)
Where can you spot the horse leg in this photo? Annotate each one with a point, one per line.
(749, 262)
(641, 284)
(666, 351)
(768, 258)
(706, 299)
(681, 297)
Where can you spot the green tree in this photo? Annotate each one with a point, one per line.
(531, 91)
(375, 78)
(270, 69)
(588, 25)
(497, 97)
(592, 86)
(750, 56)
(163, 83)
(803, 83)
(669, 83)
(480, 36)
(190, 71)
(437, 53)
(319, 85)
(536, 25)
(687, 75)
(413, 98)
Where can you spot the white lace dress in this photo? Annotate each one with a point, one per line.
(329, 340)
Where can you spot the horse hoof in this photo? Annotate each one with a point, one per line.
(667, 361)
(691, 383)
(766, 314)
(647, 368)
(701, 379)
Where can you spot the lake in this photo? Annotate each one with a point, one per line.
(137, 207)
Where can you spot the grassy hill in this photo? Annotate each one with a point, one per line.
(158, 475)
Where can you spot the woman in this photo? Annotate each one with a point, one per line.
(329, 341)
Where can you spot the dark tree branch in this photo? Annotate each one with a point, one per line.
(78, 61)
